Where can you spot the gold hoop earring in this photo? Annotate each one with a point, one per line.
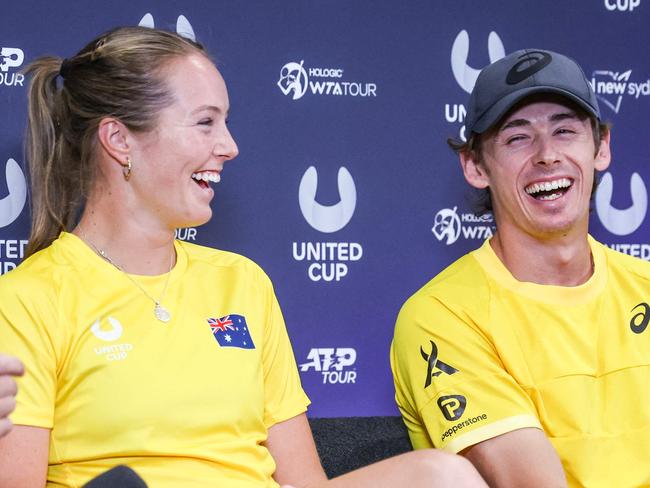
(126, 169)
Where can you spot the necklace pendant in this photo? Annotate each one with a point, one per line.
(161, 313)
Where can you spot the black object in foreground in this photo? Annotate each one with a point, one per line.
(117, 477)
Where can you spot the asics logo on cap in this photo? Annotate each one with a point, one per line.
(536, 61)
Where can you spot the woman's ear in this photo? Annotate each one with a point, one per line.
(114, 138)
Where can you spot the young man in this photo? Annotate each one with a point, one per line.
(529, 355)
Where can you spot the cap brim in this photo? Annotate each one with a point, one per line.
(499, 109)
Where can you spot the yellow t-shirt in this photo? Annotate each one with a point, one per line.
(183, 403)
(477, 354)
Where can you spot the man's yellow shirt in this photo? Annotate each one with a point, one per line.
(477, 354)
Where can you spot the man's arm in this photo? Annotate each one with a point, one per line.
(523, 457)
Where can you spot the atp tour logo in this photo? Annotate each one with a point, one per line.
(11, 58)
(112, 352)
(296, 80)
(334, 364)
(449, 226)
(329, 260)
(466, 75)
(611, 86)
(622, 222)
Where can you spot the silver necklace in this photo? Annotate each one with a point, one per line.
(160, 312)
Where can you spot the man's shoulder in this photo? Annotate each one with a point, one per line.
(625, 263)
(461, 285)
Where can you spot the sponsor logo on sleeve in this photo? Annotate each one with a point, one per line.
(435, 366)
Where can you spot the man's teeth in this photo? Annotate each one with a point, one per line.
(548, 186)
(207, 176)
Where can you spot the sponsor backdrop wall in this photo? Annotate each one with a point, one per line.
(344, 190)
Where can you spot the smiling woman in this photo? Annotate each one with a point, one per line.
(142, 350)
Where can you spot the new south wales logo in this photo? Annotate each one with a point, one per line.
(231, 331)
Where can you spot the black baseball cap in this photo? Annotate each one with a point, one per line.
(505, 82)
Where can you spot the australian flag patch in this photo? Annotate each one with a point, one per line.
(231, 331)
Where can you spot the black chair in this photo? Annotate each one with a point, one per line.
(345, 444)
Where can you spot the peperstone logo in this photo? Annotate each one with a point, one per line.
(12, 205)
(11, 58)
(621, 222)
(449, 226)
(329, 259)
(611, 86)
(335, 364)
(452, 406)
(435, 366)
(466, 75)
(639, 321)
(622, 5)
(183, 26)
(296, 80)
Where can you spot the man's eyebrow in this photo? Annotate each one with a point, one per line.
(557, 117)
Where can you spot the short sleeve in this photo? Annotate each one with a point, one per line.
(451, 387)
(27, 331)
(284, 397)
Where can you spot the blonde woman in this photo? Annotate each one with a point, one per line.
(162, 355)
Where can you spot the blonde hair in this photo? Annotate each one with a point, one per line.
(119, 74)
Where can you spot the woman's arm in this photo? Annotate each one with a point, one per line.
(292, 446)
(23, 457)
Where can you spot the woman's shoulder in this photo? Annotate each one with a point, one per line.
(209, 256)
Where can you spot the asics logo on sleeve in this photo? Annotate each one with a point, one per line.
(639, 321)
(435, 366)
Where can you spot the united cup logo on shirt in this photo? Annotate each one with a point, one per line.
(329, 260)
(465, 75)
(110, 330)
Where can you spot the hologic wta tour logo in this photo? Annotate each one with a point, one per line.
(466, 75)
(328, 259)
(623, 222)
(612, 86)
(449, 226)
(297, 81)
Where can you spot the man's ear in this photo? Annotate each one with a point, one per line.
(604, 154)
(474, 171)
(114, 138)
